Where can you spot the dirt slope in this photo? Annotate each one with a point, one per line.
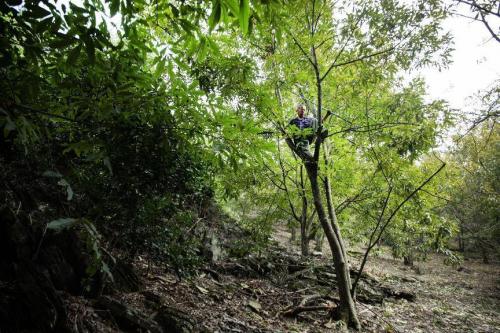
(252, 295)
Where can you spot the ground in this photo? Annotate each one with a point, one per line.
(251, 295)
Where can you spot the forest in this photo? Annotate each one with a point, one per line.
(244, 166)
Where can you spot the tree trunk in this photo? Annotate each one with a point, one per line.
(304, 236)
(304, 230)
(484, 254)
(319, 241)
(293, 232)
(461, 242)
(346, 309)
(332, 214)
(408, 260)
(304, 225)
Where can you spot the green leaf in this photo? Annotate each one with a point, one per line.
(233, 7)
(174, 9)
(107, 163)
(160, 67)
(202, 50)
(39, 12)
(73, 55)
(43, 25)
(107, 271)
(69, 190)
(9, 127)
(244, 15)
(63, 41)
(114, 7)
(214, 18)
(187, 26)
(90, 49)
(61, 224)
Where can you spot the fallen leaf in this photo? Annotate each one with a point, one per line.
(202, 290)
(329, 325)
(254, 305)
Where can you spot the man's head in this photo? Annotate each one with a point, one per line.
(300, 110)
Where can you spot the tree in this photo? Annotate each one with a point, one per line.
(473, 195)
(366, 39)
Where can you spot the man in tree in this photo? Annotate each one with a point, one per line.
(303, 131)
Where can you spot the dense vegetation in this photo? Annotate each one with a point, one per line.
(140, 121)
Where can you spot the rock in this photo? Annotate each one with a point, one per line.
(255, 306)
(369, 295)
(30, 304)
(66, 258)
(153, 298)
(399, 294)
(127, 317)
(464, 270)
(125, 277)
(28, 300)
(173, 320)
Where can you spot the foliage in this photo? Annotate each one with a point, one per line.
(136, 115)
(473, 194)
(92, 239)
(118, 118)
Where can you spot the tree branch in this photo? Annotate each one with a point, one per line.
(45, 113)
(486, 24)
(302, 50)
(479, 7)
(334, 65)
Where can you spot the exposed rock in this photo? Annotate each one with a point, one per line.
(125, 277)
(28, 299)
(174, 320)
(30, 304)
(127, 317)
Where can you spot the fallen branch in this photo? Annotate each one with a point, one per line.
(298, 310)
(304, 307)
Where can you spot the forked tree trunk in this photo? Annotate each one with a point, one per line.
(332, 214)
(334, 222)
(346, 309)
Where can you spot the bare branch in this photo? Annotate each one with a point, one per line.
(486, 24)
(371, 244)
(352, 61)
(388, 220)
(401, 204)
(371, 128)
(479, 7)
